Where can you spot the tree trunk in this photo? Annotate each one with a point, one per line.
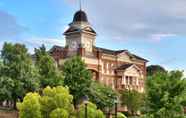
(1, 103)
(75, 104)
(14, 104)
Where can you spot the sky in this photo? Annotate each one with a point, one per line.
(152, 29)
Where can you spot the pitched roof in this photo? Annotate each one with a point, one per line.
(124, 66)
(115, 52)
(108, 51)
(138, 57)
(76, 29)
(55, 47)
(71, 29)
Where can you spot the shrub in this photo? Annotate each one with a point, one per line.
(54, 103)
(92, 111)
(121, 115)
(30, 107)
(59, 113)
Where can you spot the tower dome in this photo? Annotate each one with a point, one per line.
(80, 16)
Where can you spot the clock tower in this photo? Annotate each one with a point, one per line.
(80, 36)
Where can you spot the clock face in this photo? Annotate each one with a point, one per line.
(88, 46)
(74, 45)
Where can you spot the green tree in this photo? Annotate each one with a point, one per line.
(7, 86)
(77, 78)
(55, 102)
(49, 73)
(92, 111)
(166, 93)
(133, 100)
(18, 74)
(30, 107)
(102, 95)
(153, 69)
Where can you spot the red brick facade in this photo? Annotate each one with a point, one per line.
(119, 69)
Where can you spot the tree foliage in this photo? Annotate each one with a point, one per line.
(153, 69)
(121, 115)
(54, 103)
(53, 98)
(92, 111)
(103, 96)
(7, 86)
(59, 113)
(166, 93)
(77, 78)
(18, 75)
(30, 107)
(49, 73)
(133, 100)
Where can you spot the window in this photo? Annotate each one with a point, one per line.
(105, 69)
(130, 80)
(126, 78)
(133, 80)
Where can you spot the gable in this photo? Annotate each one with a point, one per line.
(89, 29)
(124, 57)
(56, 48)
(134, 71)
(130, 70)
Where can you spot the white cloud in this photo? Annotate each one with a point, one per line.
(137, 19)
(159, 37)
(35, 42)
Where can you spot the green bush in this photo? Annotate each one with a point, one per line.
(121, 115)
(92, 111)
(54, 103)
(30, 107)
(59, 113)
(53, 98)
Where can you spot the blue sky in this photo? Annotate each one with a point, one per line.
(154, 30)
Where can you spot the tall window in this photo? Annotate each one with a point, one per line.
(130, 80)
(105, 67)
(127, 80)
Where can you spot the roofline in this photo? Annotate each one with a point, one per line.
(66, 33)
(113, 51)
(130, 54)
(132, 65)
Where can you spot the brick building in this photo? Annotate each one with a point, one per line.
(119, 69)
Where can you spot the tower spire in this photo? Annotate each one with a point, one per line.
(80, 4)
